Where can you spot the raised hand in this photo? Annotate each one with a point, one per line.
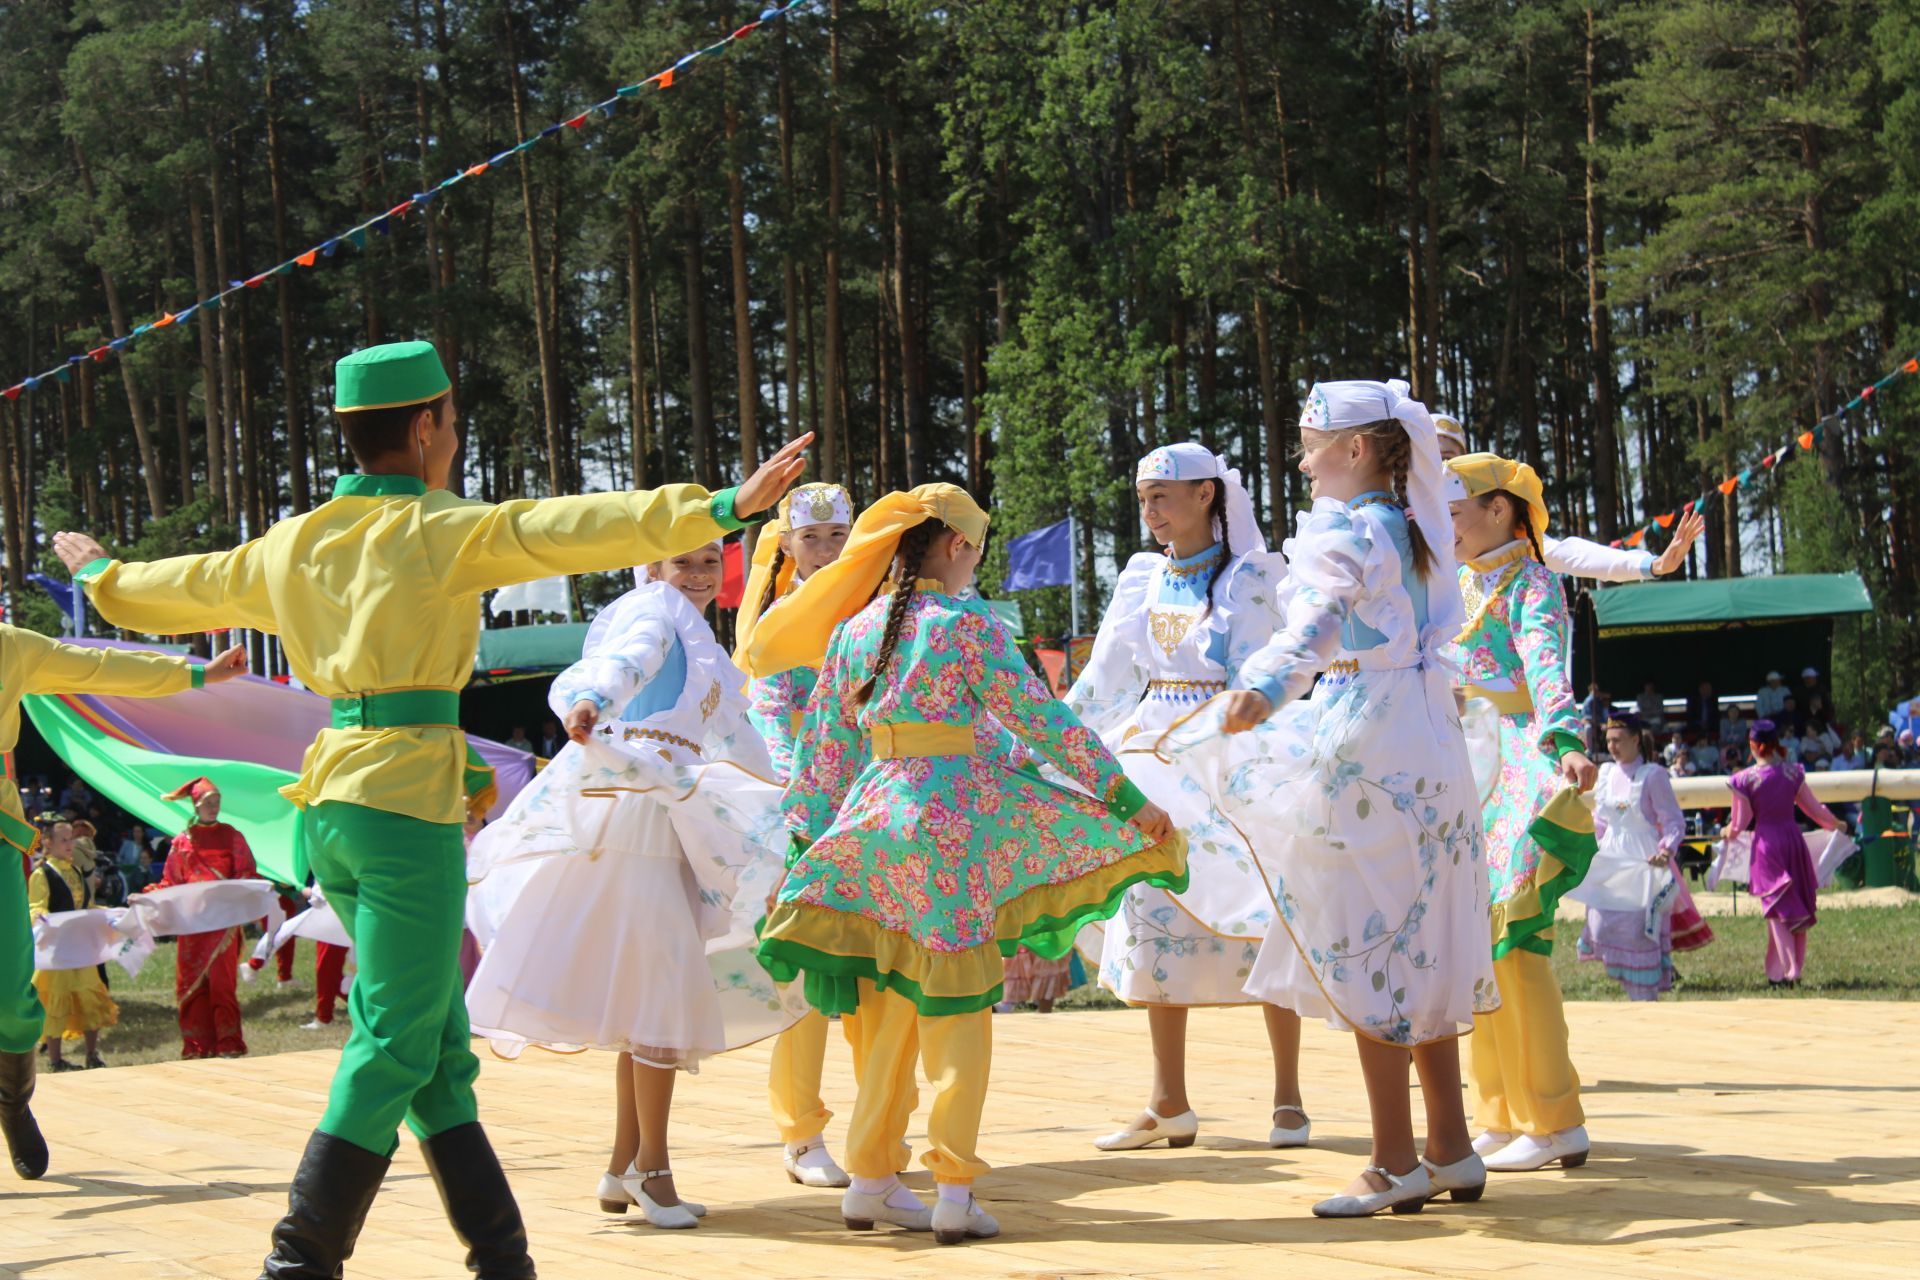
(776, 475)
(226, 666)
(581, 718)
(77, 550)
(1577, 769)
(1685, 534)
(1153, 823)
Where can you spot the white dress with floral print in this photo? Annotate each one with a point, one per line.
(615, 899)
(1165, 646)
(1371, 829)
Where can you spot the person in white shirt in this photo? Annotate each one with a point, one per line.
(1579, 557)
(1772, 698)
(1651, 706)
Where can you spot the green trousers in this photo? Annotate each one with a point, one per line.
(399, 885)
(21, 1017)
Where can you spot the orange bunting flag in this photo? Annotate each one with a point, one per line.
(308, 258)
(165, 320)
(1637, 537)
(1665, 521)
(743, 31)
(478, 169)
(1804, 440)
(1730, 484)
(1911, 366)
(665, 78)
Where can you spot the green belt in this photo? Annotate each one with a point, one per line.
(399, 709)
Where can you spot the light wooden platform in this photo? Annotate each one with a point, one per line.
(1748, 1139)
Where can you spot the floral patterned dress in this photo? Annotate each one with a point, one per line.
(1513, 654)
(615, 900)
(1172, 637)
(1360, 799)
(922, 855)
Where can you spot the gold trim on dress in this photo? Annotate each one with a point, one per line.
(636, 734)
(916, 740)
(1169, 628)
(1178, 687)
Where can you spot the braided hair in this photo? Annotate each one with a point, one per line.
(772, 592)
(913, 549)
(1217, 514)
(1522, 519)
(1394, 450)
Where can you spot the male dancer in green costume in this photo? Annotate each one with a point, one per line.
(374, 596)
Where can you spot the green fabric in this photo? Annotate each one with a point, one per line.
(399, 886)
(21, 1016)
(548, 646)
(93, 570)
(1716, 600)
(1128, 801)
(721, 509)
(832, 981)
(1564, 742)
(1575, 850)
(397, 709)
(389, 375)
(134, 779)
(357, 485)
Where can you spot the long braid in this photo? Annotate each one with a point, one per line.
(1217, 510)
(1522, 519)
(772, 592)
(913, 548)
(1396, 459)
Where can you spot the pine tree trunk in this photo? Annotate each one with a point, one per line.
(912, 369)
(536, 270)
(640, 406)
(790, 291)
(1599, 323)
(299, 482)
(700, 382)
(834, 463)
(746, 379)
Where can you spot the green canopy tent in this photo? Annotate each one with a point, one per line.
(1730, 631)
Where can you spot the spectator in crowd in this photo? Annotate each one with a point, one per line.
(1772, 698)
(520, 741)
(1904, 752)
(1653, 707)
(551, 740)
(1811, 690)
(144, 872)
(132, 845)
(1809, 751)
(76, 797)
(1703, 711)
(1703, 753)
(1675, 756)
(1791, 714)
(1855, 756)
(1733, 730)
(1887, 755)
(110, 885)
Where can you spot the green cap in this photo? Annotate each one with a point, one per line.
(389, 376)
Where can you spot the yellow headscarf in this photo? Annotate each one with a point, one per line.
(762, 568)
(1480, 473)
(797, 635)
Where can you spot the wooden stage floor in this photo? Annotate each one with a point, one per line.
(1749, 1138)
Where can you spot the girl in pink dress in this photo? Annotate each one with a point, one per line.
(1781, 873)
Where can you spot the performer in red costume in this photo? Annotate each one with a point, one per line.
(207, 965)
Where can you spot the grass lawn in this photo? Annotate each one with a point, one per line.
(270, 1013)
(1857, 953)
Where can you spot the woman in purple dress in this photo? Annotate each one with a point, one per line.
(1781, 872)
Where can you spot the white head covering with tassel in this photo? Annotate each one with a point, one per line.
(1190, 461)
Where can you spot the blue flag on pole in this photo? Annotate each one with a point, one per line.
(1043, 558)
(68, 595)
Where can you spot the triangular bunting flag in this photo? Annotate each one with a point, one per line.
(1911, 366)
(665, 78)
(1636, 537)
(1728, 486)
(480, 168)
(358, 237)
(743, 32)
(11, 393)
(63, 374)
(1665, 521)
(577, 121)
(308, 258)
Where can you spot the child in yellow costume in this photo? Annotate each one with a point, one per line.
(375, 597)
(76, 1000)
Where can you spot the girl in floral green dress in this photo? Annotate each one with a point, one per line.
(922, 856)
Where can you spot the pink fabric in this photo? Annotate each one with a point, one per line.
(1786, 951)
(1781, 873)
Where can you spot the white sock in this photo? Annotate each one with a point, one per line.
(797, 1148)
(958, 1192)
(872, 1186)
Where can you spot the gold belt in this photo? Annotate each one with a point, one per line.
(918, 739)
(1343, 667)
(660, 735)
(1508, 702)
(1186, 690)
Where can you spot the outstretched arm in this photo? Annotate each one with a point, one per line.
(176, 595)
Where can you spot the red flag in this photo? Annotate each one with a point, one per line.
(1054, 663)
(577, 121)
(733, 574)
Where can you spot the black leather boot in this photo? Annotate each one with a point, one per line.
(331, 1193)
(24, 1143)
(479, 1203)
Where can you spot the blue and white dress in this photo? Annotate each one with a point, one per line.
(1359, 800)
(615, 900)
(1161, 652)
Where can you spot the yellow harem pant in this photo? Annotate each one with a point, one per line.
(1523, 1076)
(889, 1036)
(793, 1084)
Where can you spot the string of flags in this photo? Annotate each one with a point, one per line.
(1806, 441)
(382, 224)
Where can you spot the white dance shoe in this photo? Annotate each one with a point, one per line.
(1491, 1141)
(860, 1211)
(633, 1188)
(954, 1222)
(1407, 1193)
(810, 1164)
(1527, 1152)
(1176, 1131)
(1465, 1179)
(1297, 1136)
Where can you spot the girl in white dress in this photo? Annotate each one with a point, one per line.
(615, 899)
(1370, 824)
(1179, 626)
